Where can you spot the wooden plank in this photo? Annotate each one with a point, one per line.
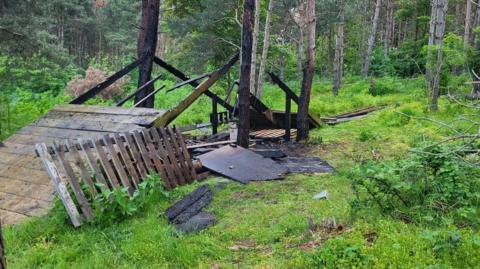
(27, 189)
(164, 168)
(144, 153)
(8, 217)
(127, 160)
(3, 261)
(83, 125)
(117, 164)
(139, 120)
(186, 154)
(137, 157)
(84, 174)
(19, 149)
(179, 150)
(171, 156)
(72, 179)
(52, 132)
(92, 162)
(203, 145)
(179, 74)
(136, 111)
(102, 156)
(23, 205)
(109, 81)
(59, 186)
(173, 113)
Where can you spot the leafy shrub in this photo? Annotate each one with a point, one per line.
(365, 135)
(422, 188)
(381, 65)
(398, 118)
(113, 205)
(380, 87)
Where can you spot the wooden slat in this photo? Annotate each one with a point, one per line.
(53, 132)
(83, 125)
(3, 261)
(185, 153)
(137, 157)
(59, 186)
(139, 120)
(164, 169)
(184, 169)
(81, 166)
(127, 159)
(77, 189)
(106, 164)
(171, 156)
(92, 162)
(144, 152)
(117, 164)
(137, 111)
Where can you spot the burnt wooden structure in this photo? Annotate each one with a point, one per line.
(3, 260)
(119, 160)
(25, 187)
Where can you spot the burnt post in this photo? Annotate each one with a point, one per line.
(147, 44)
(288, 117)
(3, 263)
(214, 117)
(245, 70)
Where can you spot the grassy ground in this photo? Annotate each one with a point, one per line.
(265, 225)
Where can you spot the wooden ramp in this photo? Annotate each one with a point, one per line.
(25, 188)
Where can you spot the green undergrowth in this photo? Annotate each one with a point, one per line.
(266, 224)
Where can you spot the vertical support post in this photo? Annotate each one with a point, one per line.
(214, 117)
(288, 117)
(3, 263)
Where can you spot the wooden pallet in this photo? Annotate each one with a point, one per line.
(25, 187)
(272, 134)
(120, 160)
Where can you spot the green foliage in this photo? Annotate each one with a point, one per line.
(407, 60)
(380, 87)
(423, 188)
(117, 204)
(381, 65)
(339, 253)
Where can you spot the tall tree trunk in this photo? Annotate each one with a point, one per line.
(143, 28)
(304, 100)
(256, 31)
(476, 87)
(149, 48)
(441, 10)
(245, 69)
(339, 48)
(468, 23)
(266, 45)
(371, 39)
(301, 37)
(388, 27)
(431, 40)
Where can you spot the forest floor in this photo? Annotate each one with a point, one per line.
(265, 224)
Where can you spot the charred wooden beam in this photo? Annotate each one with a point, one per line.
(179, 74)
(109, 81)
(3, 262)
(181, 84)
(130, 96)
(139, 104)
(173, 113)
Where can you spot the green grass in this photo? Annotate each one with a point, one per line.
(264, 225)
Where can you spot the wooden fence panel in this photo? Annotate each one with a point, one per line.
(116, 161)
(3, 262)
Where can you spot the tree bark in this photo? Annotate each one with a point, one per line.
(441, 10)
(245, 69)
(143, 27)
(371, 39)
(476, 87)
(266, 45)
(339, 49)
(148, 49)
(468, 24)
(304, 100)
(256, 31)
(387, 41)
(431, 40)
